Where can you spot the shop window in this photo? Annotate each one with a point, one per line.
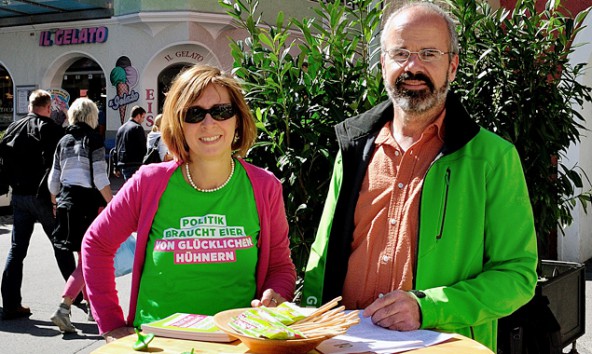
(85, 78)
(165, 78)
(6, 98)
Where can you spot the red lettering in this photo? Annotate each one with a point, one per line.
(59, 35)
(67, 36)
(92, 31)
(149, 94)
(102, 34)
(83, 35)
(75, 36)
(150, 120)
(45, 39)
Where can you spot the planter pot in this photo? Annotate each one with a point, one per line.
(553, 319)
(564, 285)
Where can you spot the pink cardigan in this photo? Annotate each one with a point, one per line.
(133, 209)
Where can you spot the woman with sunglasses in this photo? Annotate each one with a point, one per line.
(211, 228)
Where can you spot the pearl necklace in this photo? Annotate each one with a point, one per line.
(209, 190)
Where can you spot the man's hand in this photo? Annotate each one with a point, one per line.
(397, 310)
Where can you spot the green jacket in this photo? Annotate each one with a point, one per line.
(476, 254)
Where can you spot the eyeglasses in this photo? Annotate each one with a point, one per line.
(401, 55)
(219, 112)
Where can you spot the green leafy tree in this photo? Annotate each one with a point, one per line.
(304, 76)
(301, 78)
(516, 80)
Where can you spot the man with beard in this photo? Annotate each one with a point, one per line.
(428, 222)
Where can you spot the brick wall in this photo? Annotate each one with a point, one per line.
(574, 6)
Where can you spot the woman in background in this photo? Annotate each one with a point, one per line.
(79, 185)
(211, 228)
(155, 137)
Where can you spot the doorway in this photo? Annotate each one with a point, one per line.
(165, 78)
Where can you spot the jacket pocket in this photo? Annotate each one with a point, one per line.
(444, 203)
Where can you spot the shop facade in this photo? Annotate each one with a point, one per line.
(117, 63)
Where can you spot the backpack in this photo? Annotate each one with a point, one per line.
(532, 329)
(152, 155)
(14, 138)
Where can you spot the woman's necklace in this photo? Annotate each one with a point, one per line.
(206, 190)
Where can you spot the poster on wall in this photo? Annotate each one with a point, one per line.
(124, 77)
(22, 98)
(60, 102)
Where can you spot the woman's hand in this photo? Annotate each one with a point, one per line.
(269, 299)
(118, 333)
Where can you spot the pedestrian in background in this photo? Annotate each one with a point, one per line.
(154, 139)
(79, 186)
(27, 153)
(130, 143)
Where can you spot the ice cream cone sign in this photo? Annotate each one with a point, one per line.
(124, 77)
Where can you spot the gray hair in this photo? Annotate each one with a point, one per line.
(428, 7)
(85, 111)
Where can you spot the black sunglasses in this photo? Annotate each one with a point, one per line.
(219, 112)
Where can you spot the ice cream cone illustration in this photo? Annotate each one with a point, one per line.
(119, 80)
(122, 88)
(123, 76)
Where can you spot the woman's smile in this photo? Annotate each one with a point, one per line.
(210, 139)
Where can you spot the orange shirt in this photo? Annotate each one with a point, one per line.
(384, 242)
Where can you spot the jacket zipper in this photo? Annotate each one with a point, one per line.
(419, 218)
(447, 181)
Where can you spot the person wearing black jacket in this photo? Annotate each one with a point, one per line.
(130, 143)
(28, 149)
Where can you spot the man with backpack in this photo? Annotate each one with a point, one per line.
(26, 152)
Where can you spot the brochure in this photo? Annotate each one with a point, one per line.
(366, 337)
(188, 326)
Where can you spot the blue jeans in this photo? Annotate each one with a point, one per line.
(27, 210)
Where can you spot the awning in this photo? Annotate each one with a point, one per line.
(29, 12)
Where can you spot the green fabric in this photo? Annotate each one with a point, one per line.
(312, 292)
(201, 255)
(477, 252)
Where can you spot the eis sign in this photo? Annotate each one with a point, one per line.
(67, 36)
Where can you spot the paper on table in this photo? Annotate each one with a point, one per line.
(367, 337)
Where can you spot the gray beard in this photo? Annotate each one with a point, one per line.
(418, 102)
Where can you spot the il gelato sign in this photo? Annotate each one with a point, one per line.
(67, 36)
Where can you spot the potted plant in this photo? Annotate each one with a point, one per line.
(302, 77)
(516, 80)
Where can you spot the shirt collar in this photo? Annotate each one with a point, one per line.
(385, 135)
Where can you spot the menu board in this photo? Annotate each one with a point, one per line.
(22, 98)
